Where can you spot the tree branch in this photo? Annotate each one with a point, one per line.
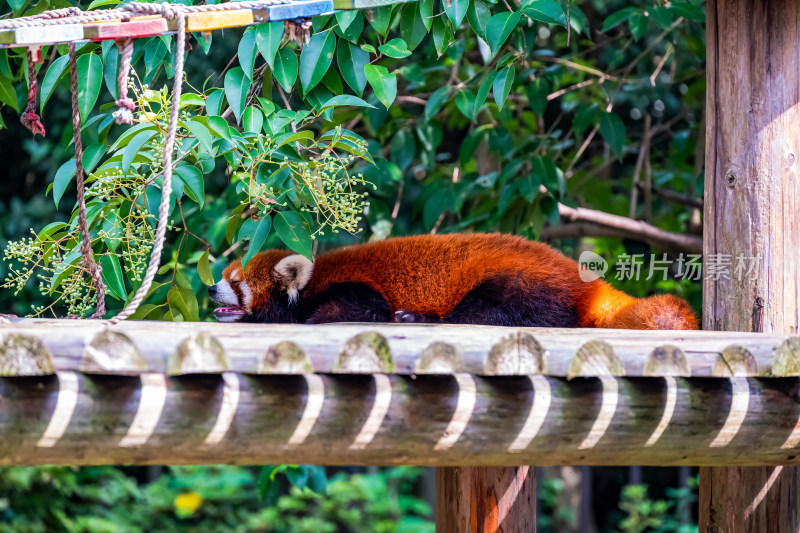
(617, 226)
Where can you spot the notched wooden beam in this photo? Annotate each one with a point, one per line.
(24, 355)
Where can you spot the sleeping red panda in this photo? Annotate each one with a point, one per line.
(491, 279)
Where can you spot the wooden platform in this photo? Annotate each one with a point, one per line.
(83, 392)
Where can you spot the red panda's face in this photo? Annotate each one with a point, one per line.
(272, 278)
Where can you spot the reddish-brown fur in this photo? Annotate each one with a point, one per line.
(432, 274)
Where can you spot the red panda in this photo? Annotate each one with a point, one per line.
(489, 279)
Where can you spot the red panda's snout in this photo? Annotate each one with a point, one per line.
(265, 291)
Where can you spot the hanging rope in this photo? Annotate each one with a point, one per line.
(29, 117)
(168, 12)
(86, 239)
(125, 105)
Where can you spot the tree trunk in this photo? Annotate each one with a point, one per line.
(482, 499)
(752, 195)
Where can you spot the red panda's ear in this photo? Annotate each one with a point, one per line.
(293, 273)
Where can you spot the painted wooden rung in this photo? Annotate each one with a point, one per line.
(48, 34)
(216, 20)
(140, 27)
(314, 8)
(364, 4)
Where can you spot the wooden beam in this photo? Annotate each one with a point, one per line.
(752, 210)
(380, 419)
(399, 348)
(485, 499)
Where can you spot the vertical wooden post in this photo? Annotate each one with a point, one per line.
(752, 212)
(478, 499)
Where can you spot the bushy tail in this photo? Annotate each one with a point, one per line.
(610, 308)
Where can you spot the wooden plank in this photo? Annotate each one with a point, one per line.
(33, 35)
(216, 20)
(139, 27)
(76, 418)
(486, 499)
(752, 211)
(418, 348)
(292, 11)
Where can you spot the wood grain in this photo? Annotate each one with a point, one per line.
(752, 210)
(435, 420)
(409, 348)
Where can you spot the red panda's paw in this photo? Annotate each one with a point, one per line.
(409, 317)
(663, 311)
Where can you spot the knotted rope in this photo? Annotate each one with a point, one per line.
(86, 239)
(169, 12)
(29, 117)
(125, 105)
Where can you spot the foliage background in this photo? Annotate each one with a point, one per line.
(477, 137)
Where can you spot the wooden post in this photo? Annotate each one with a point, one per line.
(481, 499)
(752, 210)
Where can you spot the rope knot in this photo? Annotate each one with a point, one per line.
(124, 112)
(32, 121)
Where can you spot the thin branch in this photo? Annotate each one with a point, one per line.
(644, 151)
(633, 228)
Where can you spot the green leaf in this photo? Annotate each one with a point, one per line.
(204, 270)
(638, 25)
(662, 16)
(247, 51)
(192, 180)
(345, 19)
(442, 35)
(257, 231)
(478, 15)
(51, 78)
(426, 13)
(618, 17)
(285, 70)
(613, 131)
(302, 136)
(292, 228)
(90, 79)
(499, 28)
(236, 87)
(268, 41)
(92, 156)
(103, 3)
(345, 100)
(502, 86)
(436, 101)
(465, 102)
(112, 227)
(63, 177)
(483, 91)
(537, 93)
(7, 94)
(548, 11)
(412, 28)
(456, 11)
(315, 59)
(402, 148)
(369, 48)
(382, 17)
(354, 28)
(66, 266)
(383, 83)
(253, 120)
(201, 132)
(133, 147)
(352, 60)
(395, 48)
(219, 127)
(113, 277)
(688, 11)
(214, 102)
(185, 302)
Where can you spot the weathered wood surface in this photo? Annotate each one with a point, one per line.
(448, 420)
(485, 499)
(402, 348)
(752, 210)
